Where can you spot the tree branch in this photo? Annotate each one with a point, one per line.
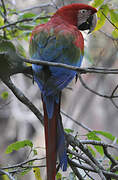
(23, 98)
(7, 173)
(86, 167)
(110, 21)
(37, 7)
(76, 122)
(23, 20)
(78, 69)
(74, 142)
(75, 170)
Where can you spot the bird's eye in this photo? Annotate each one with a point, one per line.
(83, 11)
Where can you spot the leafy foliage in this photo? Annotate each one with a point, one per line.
(104, 10)
(18, 145)
(92, 136)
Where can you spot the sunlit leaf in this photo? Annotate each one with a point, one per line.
(92, 136)
(68, 130)
(101, 18)
(1, 21)
(58, 176)
(18, 145)
(97, 3)
(37, 173)
(114, 15)
(115, 33)
(106, 134)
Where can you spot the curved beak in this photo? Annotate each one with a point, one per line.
(93, 23)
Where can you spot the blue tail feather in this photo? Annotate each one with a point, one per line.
(61, 147)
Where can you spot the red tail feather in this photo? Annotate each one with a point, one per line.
(50, 140)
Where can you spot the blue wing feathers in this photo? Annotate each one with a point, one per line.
(52, 49)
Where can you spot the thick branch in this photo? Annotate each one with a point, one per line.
(78, 69)
(23, 98)
(75, 170)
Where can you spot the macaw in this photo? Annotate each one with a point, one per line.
(59, 40)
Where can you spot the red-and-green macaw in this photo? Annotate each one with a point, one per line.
(59, 40)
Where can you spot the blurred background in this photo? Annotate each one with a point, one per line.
(17, 122)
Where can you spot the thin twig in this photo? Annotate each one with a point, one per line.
(110, 21)
(22, 163)
(91, 90)
(108, 35)
(114, 162)
(54, 4)
(78, 123)
(5, 13)
(23, 20)
(37, 7)
(99, 143)
(8, 174)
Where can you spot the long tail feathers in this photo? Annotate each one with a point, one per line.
(54, 138)
(61, 149)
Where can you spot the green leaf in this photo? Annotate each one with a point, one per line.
(101, 18)
(114, 15)
(18, 145)
(26, 26)
(92, 136)
(97, 3)
(92, 151)
(58, 176)
(115, 33)
(68, 130)
(26, 15)
(106, 134)
(1, 21)
(5, 95)
(25, 171)
(35, 152)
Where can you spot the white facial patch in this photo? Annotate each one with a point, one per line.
(83, 15)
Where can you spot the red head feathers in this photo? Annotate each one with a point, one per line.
(81, 15)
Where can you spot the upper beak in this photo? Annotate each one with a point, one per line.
(94, 22)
